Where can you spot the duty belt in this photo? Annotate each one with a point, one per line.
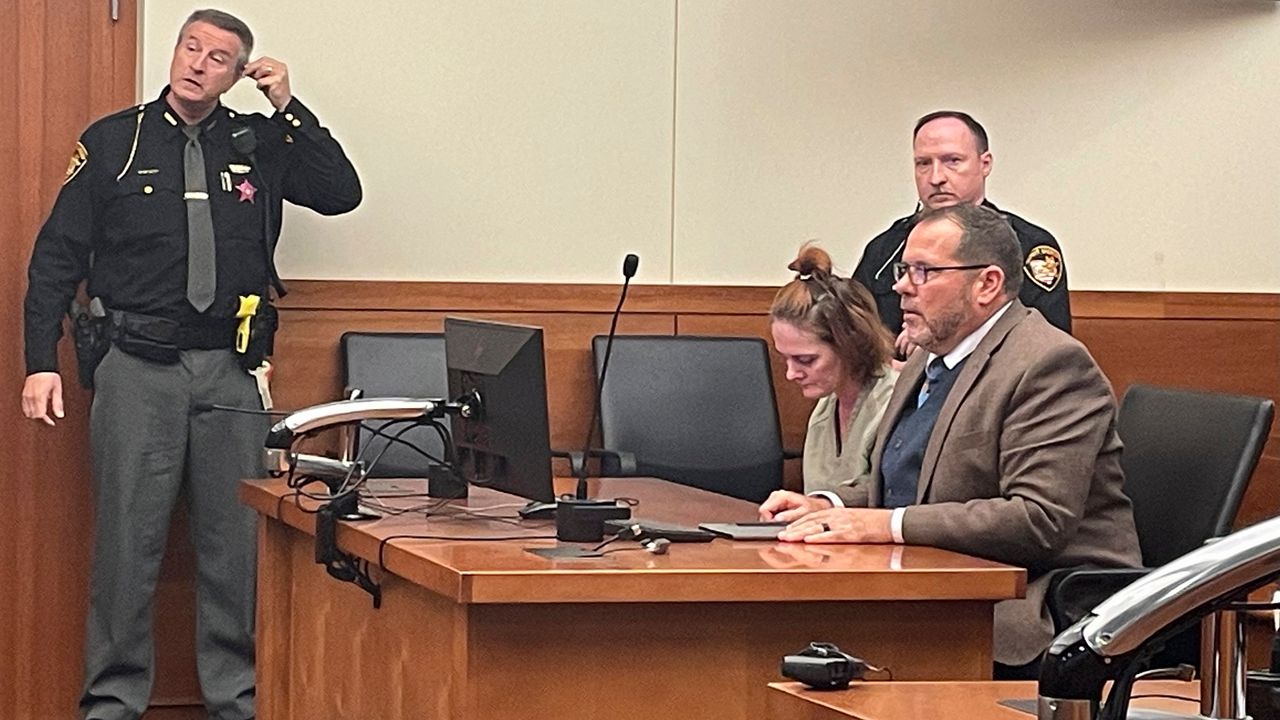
(160, 339)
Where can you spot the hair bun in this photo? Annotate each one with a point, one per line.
(812, 261)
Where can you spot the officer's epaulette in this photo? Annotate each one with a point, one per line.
(131, 113)
(238, 116)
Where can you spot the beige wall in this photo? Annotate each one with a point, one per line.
(543, 139)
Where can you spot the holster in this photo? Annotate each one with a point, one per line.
(145, 336)
(262, 337)
(90, 330)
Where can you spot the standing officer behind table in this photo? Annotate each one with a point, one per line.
(999, 439)
(171, 210)
(952, 161)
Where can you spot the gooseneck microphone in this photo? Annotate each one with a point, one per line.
(629, 266)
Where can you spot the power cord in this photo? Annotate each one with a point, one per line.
(382, 544)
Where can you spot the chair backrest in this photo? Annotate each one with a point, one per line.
(396, 365)
(1187, 460)
(695, 410)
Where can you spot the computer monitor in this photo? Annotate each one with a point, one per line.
(507, 446)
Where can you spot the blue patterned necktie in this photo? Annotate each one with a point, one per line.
(932, 372)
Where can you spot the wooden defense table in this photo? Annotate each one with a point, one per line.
(969, 700)
(472, 629)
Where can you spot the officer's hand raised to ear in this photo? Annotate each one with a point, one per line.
(272, 77)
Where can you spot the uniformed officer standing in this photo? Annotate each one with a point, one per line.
(952, 162)
(171, 210)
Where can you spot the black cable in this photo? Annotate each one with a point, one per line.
(347, 487)
(281, 500)
(389, 511)
(1169, 696)
(618, 550)
(382, 544)
(888, 673)
(606, 542)
(1252, 606)
(379, 432)
(371, 465)
(512, 520)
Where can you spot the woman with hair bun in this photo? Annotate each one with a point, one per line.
(827, 330)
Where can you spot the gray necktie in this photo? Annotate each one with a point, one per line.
(201, 271)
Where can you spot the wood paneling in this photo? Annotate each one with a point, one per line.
(1218, 342)
(66, 63)
(524, 297)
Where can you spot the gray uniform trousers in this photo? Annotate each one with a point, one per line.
(148, 442)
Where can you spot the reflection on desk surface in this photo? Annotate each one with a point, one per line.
(463, 557)
(979, 700)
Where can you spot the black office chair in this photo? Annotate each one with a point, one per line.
(396, 365)
(1187, 461)
(699, 411)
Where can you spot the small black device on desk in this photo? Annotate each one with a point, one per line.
(823, 666)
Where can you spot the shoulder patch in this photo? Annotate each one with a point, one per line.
(1044, 267)
(79, 158)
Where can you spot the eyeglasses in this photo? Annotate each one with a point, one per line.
(919, 274)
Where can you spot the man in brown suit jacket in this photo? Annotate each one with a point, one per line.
(1016, 458)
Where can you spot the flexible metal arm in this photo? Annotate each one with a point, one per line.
(1103, 645)
(341, 412)
(279, 457)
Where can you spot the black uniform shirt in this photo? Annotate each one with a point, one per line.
(121, 220)
(1044, 282)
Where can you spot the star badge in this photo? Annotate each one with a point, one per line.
(247, 190)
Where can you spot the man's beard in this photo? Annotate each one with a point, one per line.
(941, 329)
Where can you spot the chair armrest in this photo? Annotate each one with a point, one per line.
(626, 461)
(1073, 593)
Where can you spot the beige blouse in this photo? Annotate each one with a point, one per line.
(825, 468)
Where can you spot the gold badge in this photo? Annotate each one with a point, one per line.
(79, 158)
(1044, 266)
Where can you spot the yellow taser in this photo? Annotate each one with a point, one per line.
(248, 308)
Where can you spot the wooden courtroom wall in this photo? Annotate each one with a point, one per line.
(65, 63)
(1211, 341)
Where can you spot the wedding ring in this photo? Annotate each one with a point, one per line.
(826, 527)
